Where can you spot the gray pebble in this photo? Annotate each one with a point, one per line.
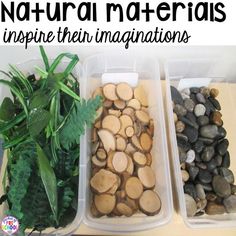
(190, 189)
(194, 90)
(203, 120)
(226, 160)
(201, 205)
(199, 110)
(191, 205)
(176, 96)
(208, 153)
(180, 110)
(205, 91)
(182, 155)
(211, 165)
(200, 98)
(221, 186)
(201, 165)
(198, 146)
(227, 174)
(230, 204)
(222, 147)
(204, 176)
(209, 131)
(183, 142)
(207, 187)
(206, 141)
(193, 172)
(200, 191)
(211, 197)
(233, 189)
(188, 121)
(215, 103)
(221, 132)
(191, 133)
(218, 158)
(189, 104)
(190, 156)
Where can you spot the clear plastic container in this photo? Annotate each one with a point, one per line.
(148, 75)
(183, 73)
(27, 68)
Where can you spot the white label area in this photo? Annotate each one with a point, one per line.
(115, 78)
(193, 82)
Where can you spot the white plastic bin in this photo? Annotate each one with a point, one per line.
(148, 75)
(27, 68)
(202, 73)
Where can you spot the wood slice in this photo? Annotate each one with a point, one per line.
(107, 104)
(136, 143)
(124, 209)
(126, 121)
(149, 159)
(94, 211)
(94, 135)
(94, 147)
(102, 181)
(120, 195)
(101, 154)
(121, 143)
(151, 128)
(124, 91)
(130, 168)
(109, 91)
(98, 92)
(115, 186)
(145, 142)
(120, 162)
(135, 104)
(98, 124)
(119, 104)
(97, 162)
(111, 123)
(105, 203)
(139, 158)
(116, 113)
(129, 131)
(109, 161)
(108, 140)
(132, 203)
(128, 111)
(143, 117)
(141, 96)
(124, 177)
(130, 149)
(150, 203)
(147, 177)
(133, 188)
(138, 128)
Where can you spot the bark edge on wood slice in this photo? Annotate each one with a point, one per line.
(124, 91)
(133, 188)
(105, 203)
(109, 91)
(108, 139)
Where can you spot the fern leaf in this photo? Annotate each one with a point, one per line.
(83, 114)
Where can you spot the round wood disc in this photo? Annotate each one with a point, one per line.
(121, 143)
(124, 209)
(109, 91)
(129, 131)
(140, 94)
(126, 121)
(147, 176)
(120, 162)
(133, 188)
(105, 203)
(111, 123)
(124, 91)
(150, 203)
(145, 142)
(142, 116)
(139, 158)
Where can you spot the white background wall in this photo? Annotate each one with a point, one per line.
(227, 54)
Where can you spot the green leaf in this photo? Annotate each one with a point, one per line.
(39, 100)
(68, 91)
(83, 113)
(45, 58)
(7, 109)
(49, 180)
(37, 121)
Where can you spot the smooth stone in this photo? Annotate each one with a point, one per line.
(198, 146)
(180, 110)
(215, 171)
(203, 120)
(207, 187)
(189, 104)
(201, 205)
(190, 156)
(227, 174)
(194, 90)
(205, 91)
(191, 133)
(182, 155)
(211, 197)
(201, 165)
(218, 158)
(211, 165)
(215, 103)
(233, 189)
(206, 141)
(209, 131)
(184, 96)
(183, 143)
(221, 132)
(221, 186)
(191, 205)
(176, 96)
(222, 147)
(179, 126)
(188, 122)
(186, 91)
(208, 153)
(200, 191)
(230, 204)
(214, 92)
(193, 97)
(193, 172)
(214, 209)
(199, 110)
(183, 166)
(204, 176)
(226, 160)
(175, 117)
(185, 175)
(200, 213)
(191, 116)
(200, 97)
(216, 118)
(190, 189)
(209, 107)
(197, 157)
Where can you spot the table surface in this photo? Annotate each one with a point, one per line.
(176, 226)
